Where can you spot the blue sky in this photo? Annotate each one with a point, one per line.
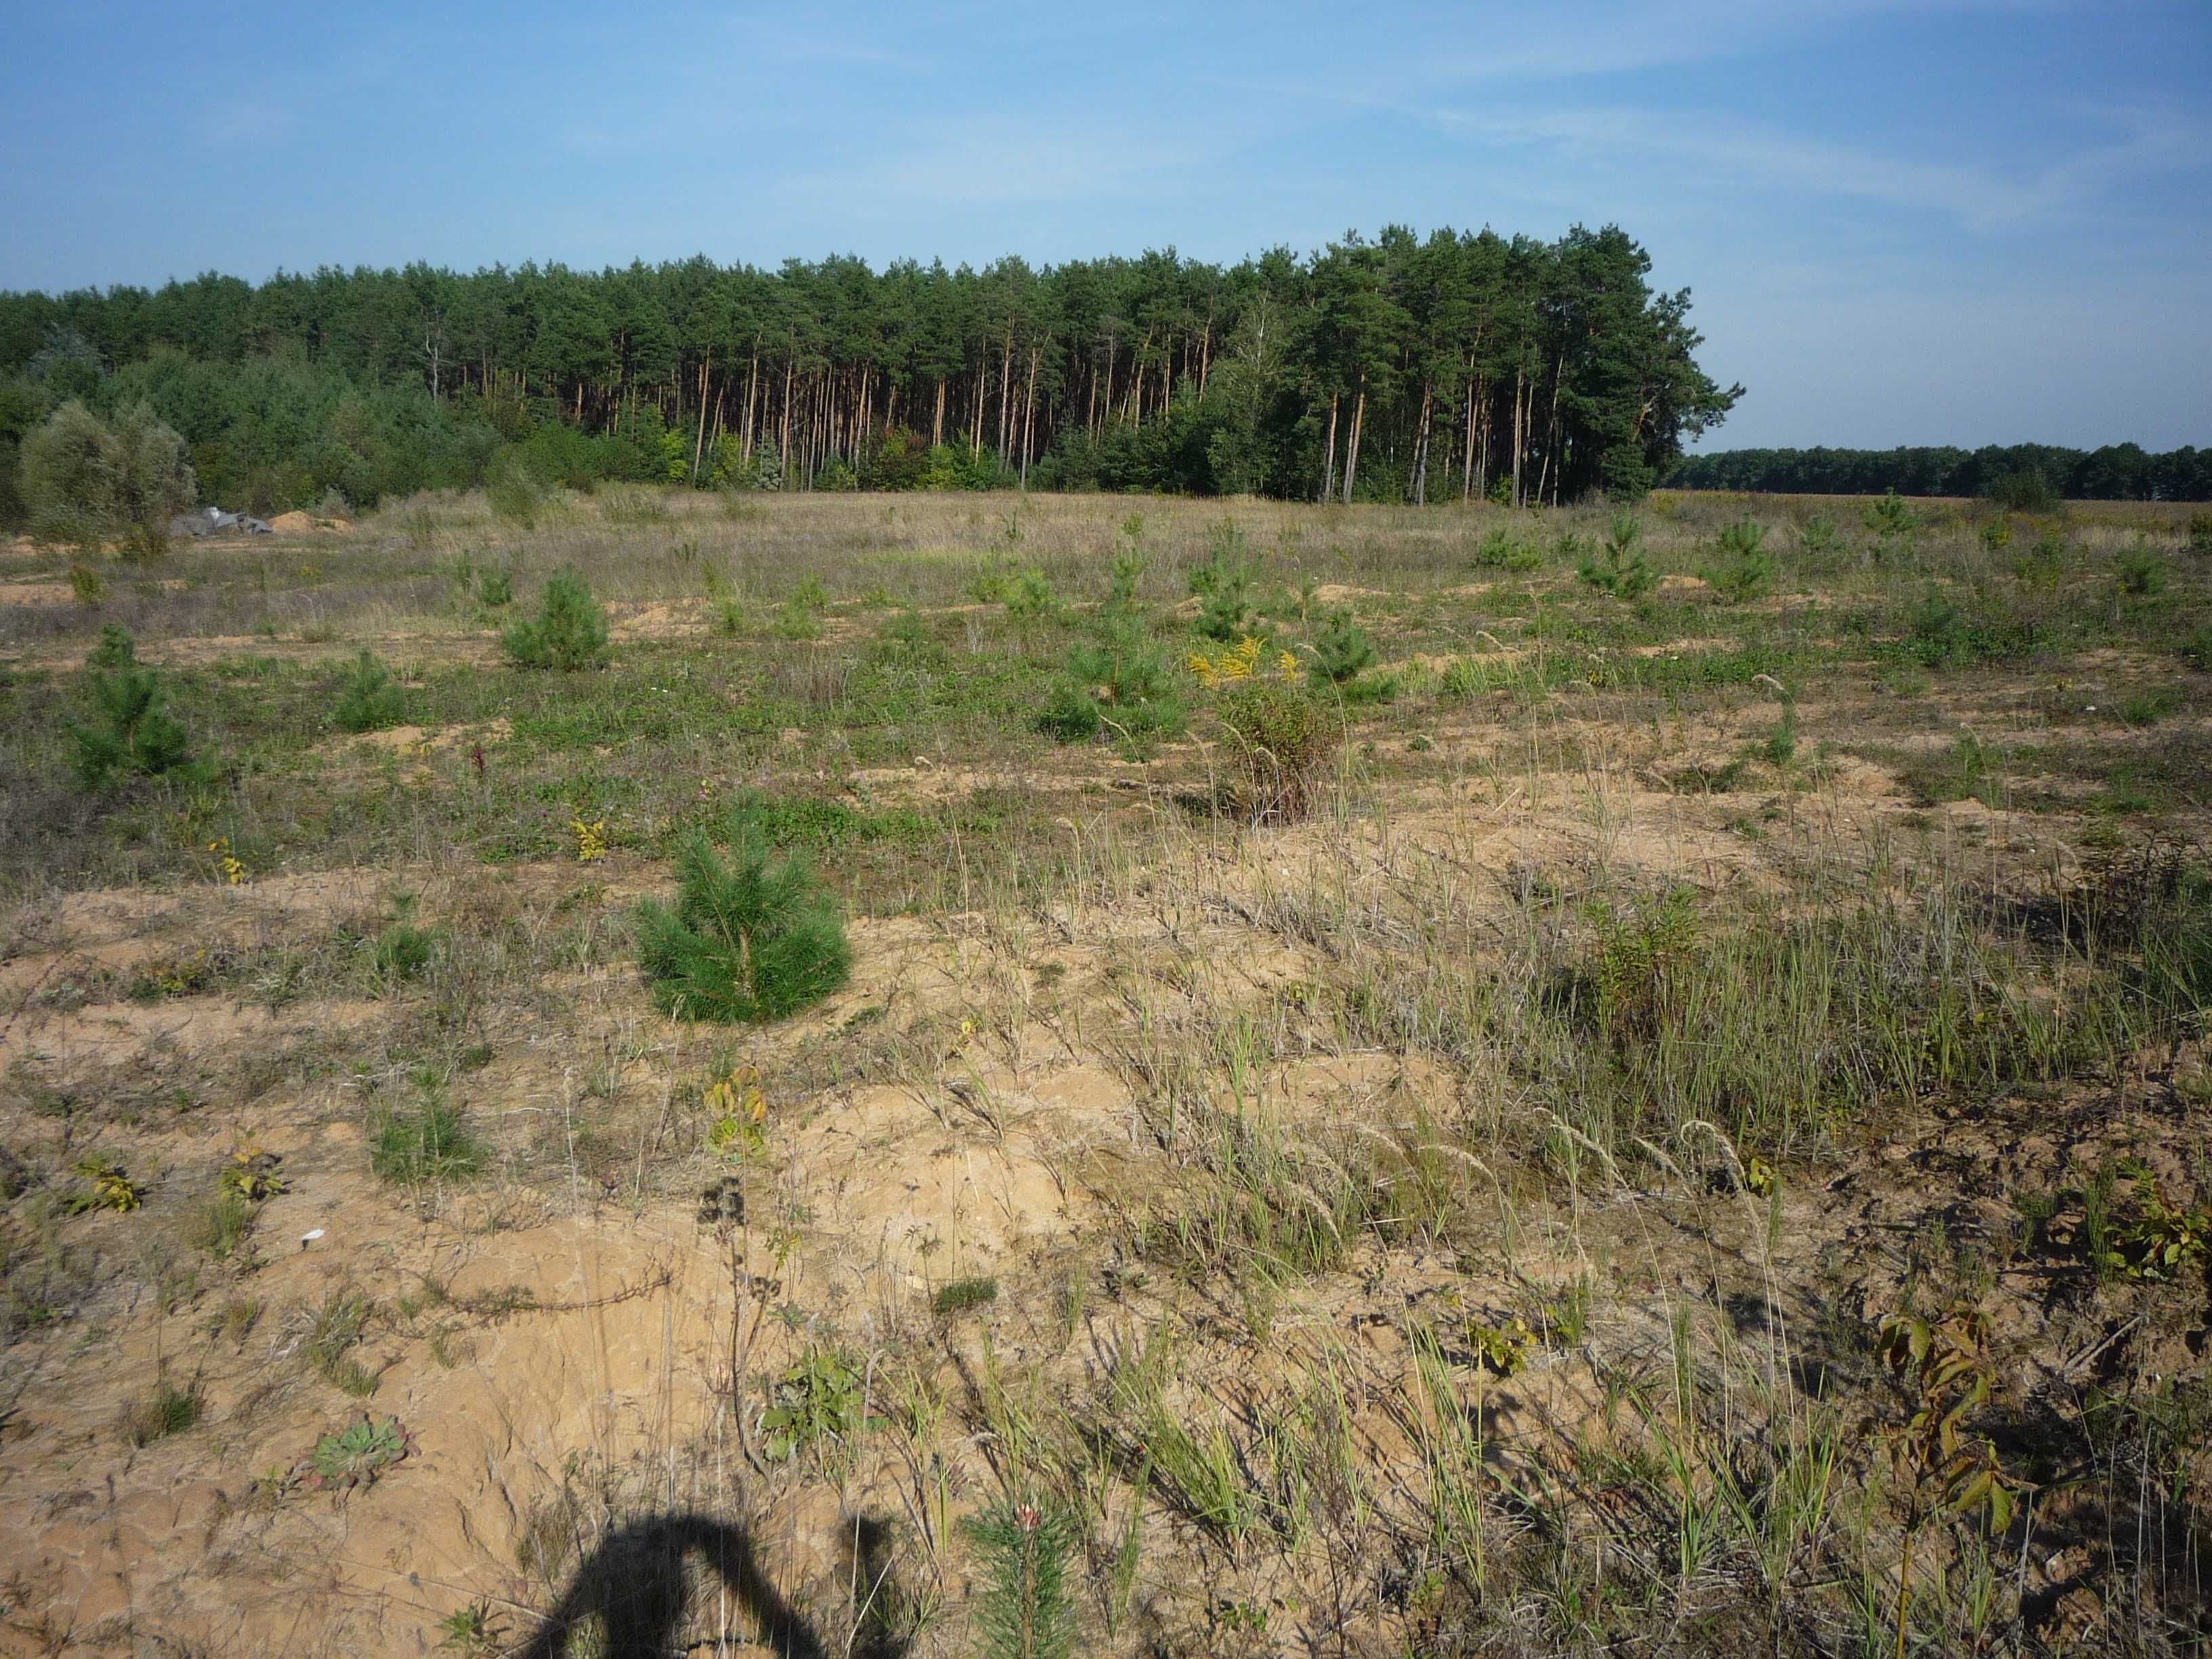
(1982, 222)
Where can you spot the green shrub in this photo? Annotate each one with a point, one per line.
(514, 492)
(2200, 533)
(1746, 570)
(1943, 635)
(426, 1146)
(1029, 598)
(750, 938)
(131, 732)
(1223, 587)
(1890, 516)
(2140, 574)
(370, 699)
(495, 588)
(85, 479)
(1071, 713)
(1818, 538)
(2026, 491)
(1278, 737)
(569, 631)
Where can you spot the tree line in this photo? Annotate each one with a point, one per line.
(2024, 475)
(1452, 366)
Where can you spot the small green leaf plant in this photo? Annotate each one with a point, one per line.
(1948, 1374)
(820, 1400)
(568, 633)
(357, 1454)
(108, 1186)
(750, 938)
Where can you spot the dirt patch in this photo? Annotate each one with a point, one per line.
(296, 523)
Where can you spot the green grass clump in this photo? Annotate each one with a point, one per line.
(751, 937)
(370, 699)
(221, 1225)
(429, 1145)
(168, 1410)
(959, 1296)
(569, 631)
(404, 951)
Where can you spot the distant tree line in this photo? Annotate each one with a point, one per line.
(2024, 475)
(1400, 368)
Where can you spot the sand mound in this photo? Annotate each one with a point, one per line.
(304, 523)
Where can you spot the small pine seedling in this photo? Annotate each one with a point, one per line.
(132, 732)
(369, 700)
(569, 631)
(1022, 1612)
(1342, 651)
(749, 939)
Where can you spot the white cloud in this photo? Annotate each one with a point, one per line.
(1979, 197)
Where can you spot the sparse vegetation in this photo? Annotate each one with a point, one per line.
(1676, 1132)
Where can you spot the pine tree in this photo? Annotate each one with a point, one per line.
(750, 938)
(132, 731)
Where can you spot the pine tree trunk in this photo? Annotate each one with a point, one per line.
(1421, 451)
(1466, 460)
(1358, 427)
(699, 444)
(1329, 460)
(1518, 376)
(1029, 416)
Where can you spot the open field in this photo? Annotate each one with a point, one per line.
(1697, 1141)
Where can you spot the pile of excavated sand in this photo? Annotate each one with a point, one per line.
(300, 523)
